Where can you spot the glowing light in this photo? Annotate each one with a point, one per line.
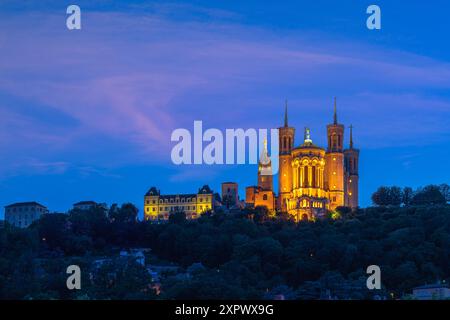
(335, 215)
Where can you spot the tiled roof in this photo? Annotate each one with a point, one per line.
(205, 189)
(22, 204)
(168, 196)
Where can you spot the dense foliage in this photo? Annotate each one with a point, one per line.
(242, 255)
(395, 196)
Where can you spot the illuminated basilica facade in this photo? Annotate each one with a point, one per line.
(311, 179)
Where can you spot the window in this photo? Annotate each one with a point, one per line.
(265, 197)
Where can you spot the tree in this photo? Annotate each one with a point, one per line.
(125, 214)
(395, 196)
(381, 196)
(445, 190)
(53, 230)
(407, 195)
(177, 217)
(428, 195)
(387, 196)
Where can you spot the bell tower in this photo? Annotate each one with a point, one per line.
(286, 144)
(351, 159)
(265, 181)
(334, 168)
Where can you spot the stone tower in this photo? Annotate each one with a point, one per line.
(265, 177)
(351, 159)
(286, 143)
(334, 159)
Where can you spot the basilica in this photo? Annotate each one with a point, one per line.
(311, 179)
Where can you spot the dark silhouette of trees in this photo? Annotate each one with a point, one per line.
(429, 195)
(387, 196)
(394, 196)
(243, 255)
(407, 195)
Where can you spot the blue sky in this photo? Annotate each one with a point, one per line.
(88, 114)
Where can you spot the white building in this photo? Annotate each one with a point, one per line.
(431, 292)
(22, 214)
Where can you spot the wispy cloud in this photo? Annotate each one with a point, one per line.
(129, 79)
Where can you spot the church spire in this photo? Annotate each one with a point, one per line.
(351, 136)
(264, 158)
(285, 115)
(335, 112)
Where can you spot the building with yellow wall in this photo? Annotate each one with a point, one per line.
(312, 179)
(159, 207)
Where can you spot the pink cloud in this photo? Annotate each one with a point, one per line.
(135, 78)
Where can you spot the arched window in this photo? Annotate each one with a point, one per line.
(284, 142)
(265, 197)
(314, 180)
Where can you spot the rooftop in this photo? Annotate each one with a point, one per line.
(23, 204)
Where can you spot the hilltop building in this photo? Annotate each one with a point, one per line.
(311, 179)
(230, 194)
(436, 291)
(262, 194)
(22, 214)
(158, 206)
